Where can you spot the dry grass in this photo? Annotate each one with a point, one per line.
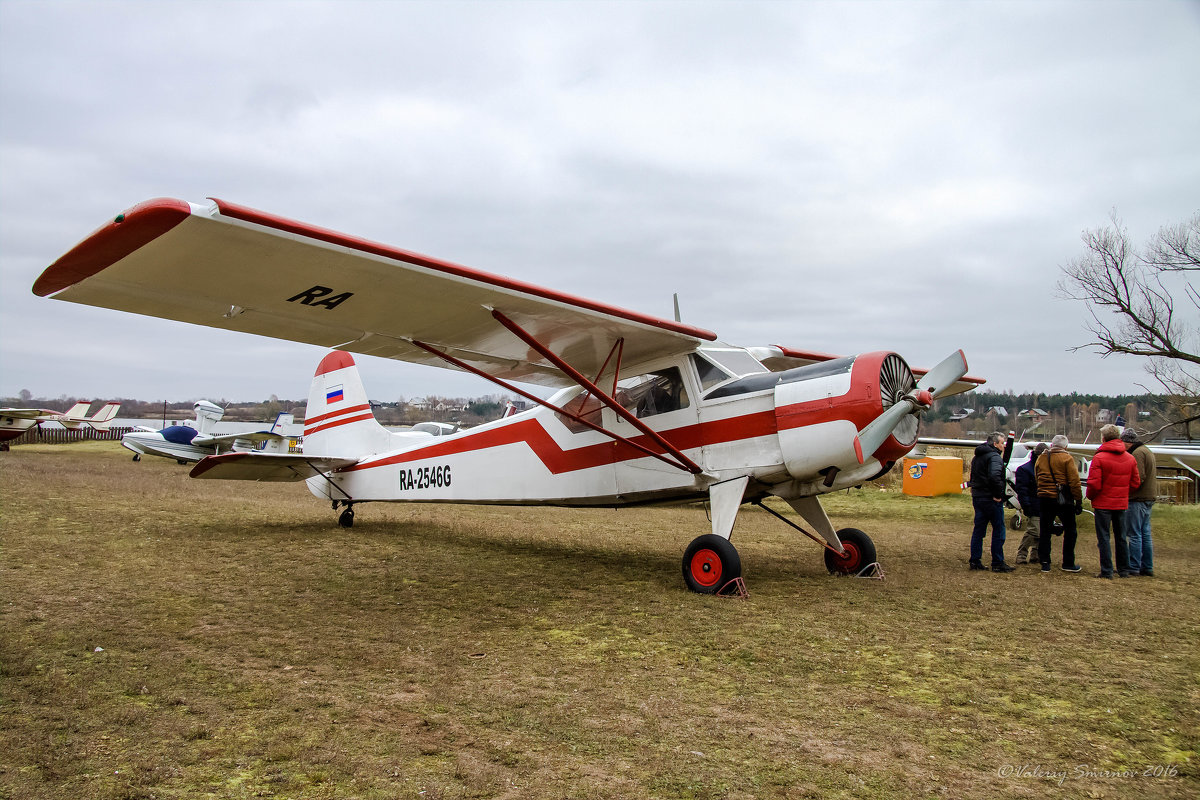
(251, 648)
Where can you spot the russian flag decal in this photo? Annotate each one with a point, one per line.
(334, 395)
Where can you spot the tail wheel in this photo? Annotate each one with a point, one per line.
(709, 563)
(860, 552)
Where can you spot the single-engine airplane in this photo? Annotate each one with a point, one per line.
(187, 443)
(647, 410)
(15, 421)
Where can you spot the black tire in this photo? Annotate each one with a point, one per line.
(137, 457)
(709, 563)
(1016, 522)
(860, 552)
(346, 519)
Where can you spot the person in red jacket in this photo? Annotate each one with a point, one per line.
(1111, 477)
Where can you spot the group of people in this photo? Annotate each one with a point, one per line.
(1121, 486)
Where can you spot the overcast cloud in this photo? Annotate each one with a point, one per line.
(841, 177)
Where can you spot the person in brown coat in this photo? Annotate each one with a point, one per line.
(1055, 468)
(1141, 501)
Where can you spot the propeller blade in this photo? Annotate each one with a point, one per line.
(872, 437)
(944, 375)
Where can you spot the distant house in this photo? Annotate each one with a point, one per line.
(1000, 411)
(961, 413)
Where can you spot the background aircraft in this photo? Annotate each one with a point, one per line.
(15, 421)
(186, 443)
(646, 411)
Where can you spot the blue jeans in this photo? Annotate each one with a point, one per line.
(1137, 530)
(1115, 519)
(988, 511)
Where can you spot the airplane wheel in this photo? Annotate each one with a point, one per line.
(1016, 522)
(860, 551)
(181, 461)
(137, 457)
(346, 520)
(709, 563)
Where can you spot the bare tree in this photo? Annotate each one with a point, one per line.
(1145, 303)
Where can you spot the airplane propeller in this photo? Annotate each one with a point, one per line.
(929, 388)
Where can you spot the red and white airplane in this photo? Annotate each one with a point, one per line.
(15, 421)
(647, 410)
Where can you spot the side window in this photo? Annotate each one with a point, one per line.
(709, 373)
(585, 406)
(654, 393)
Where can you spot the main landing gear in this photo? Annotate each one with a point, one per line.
(711, 563)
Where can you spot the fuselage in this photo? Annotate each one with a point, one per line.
(787, 430)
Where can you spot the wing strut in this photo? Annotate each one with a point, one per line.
(620, 410)
(534, 398)
(673, 456)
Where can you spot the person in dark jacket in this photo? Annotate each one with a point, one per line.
(987, 496)
(1027, 496)
(1111, 477)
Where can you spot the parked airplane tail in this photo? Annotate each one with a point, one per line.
(207, 415)
(75, 415)
(338, 420)
(104, 417)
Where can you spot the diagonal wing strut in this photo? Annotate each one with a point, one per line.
(673, 455)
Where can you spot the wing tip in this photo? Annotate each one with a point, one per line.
(111, 242)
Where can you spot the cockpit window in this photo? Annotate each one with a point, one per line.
(710, 374)
(653, 393)
(736, 362)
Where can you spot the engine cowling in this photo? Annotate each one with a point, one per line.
(820, 408)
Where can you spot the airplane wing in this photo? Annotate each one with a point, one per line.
(778, 358)
(232, 267)
(28, 413)
(271, 467)
(228, 439)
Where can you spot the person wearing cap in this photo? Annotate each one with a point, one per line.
(1056, 468)
(1141, 500)
(1027, 496)
(1111, 477)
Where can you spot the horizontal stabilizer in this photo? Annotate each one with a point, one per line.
(270, 467)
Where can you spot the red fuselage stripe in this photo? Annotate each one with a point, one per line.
(331, 415)
(337, 424)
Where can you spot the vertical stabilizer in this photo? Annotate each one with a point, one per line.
(75, 415)
(338, 420)
(104, 417)
(207, 415)
(77, 411)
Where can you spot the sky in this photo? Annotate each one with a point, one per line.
(833, 176)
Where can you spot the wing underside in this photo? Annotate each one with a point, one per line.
(227, 266)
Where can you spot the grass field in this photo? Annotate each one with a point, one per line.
(170, 638)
